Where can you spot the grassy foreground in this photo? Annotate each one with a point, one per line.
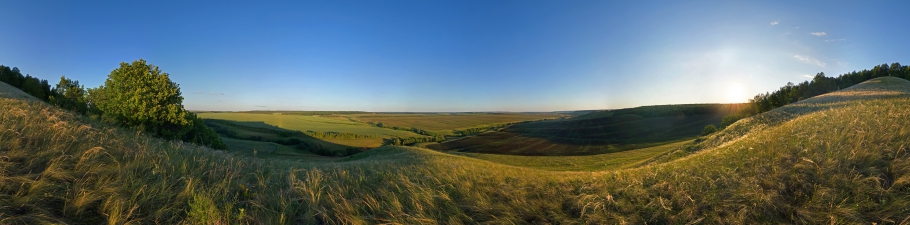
(844, 159)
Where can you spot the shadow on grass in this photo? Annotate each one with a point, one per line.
(263, 132)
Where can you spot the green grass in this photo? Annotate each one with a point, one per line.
(445, 123)
(609, 161)
(304, 123)
(840, 158)
(270, 150)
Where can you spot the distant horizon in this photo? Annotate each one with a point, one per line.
(465, 56)
(416, 112)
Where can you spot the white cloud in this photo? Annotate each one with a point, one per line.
(214, 93)
(809, 60)
(808, 76)
(819, 33)
(833, 40)
(775, 22)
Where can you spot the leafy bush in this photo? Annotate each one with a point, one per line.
(708, 130)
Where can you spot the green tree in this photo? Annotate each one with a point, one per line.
(202, 134)
(32, 86)
(141, 96)
(708, 130)
(70, 95)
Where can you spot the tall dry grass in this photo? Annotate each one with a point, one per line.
(842, 159)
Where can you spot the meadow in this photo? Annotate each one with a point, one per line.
(837, 158)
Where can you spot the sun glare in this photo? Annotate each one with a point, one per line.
(736, 93)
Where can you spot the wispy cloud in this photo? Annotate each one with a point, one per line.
(809, 60)
(808, 76)
(834, 40)
(775, 22)
(261, 106)
(819, 33)
(216, 93)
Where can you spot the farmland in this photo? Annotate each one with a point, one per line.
(596, 132)
(338, 132)
(304, 123)
(445, 123)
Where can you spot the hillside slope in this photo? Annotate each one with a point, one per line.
(597, 132)
(843, 159)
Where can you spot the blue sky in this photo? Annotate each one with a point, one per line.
(456, 55)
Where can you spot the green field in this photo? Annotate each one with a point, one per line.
(335, 144)
(444, 123)
(310, 123)
(838, 158)
(304, 123)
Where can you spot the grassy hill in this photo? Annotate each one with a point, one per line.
(842, 157)
(597, 132)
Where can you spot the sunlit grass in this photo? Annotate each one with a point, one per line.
(843, 159)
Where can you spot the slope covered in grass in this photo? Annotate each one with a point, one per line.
(845, 161)
(608, 161)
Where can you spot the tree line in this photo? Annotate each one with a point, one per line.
(409, 129)
(820, 84)
(135, 95)
(394, 141)
(33, 86)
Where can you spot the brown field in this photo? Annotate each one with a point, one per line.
(589, 135)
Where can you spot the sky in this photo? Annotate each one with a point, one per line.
(452, 56)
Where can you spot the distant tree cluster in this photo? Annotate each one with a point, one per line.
(409, 129)
(33, 86)
(333, 134)
(136, 95)
(394, 141)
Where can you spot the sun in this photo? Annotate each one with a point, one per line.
(736, 93)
